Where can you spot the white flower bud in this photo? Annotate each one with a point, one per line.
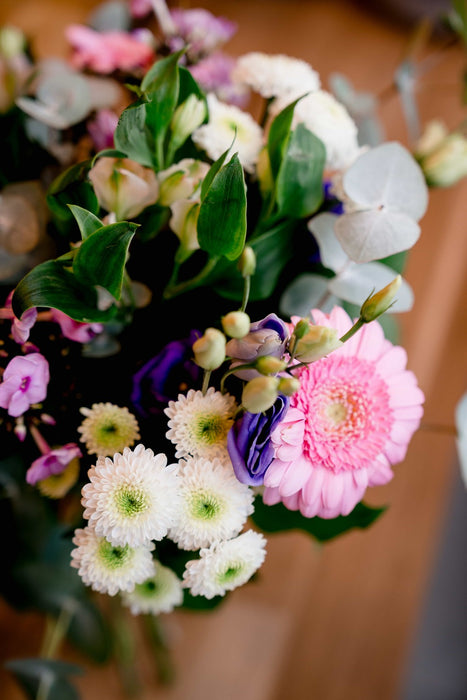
(123, 186)
(187, 117)
(247, 262)
(268, 364)
(209, 350)
(317, 342)
(259, 394)
(183, 222)
(181, 180)
(288, 385)
(236, 324)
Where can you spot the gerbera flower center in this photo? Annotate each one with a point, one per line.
(131, 502)
(113, 557)
(344, 409)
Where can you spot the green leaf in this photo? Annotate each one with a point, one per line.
(278, 518)
(35, 674)
(100, 260)
(189, 86)
(86, 220)
(107, 153)
(52, 285)
(71, 187)
(133, 137)
(278, 136)
(222, 214)
(89, 632)
(397, 261)
(211, 174)
(152, 220)
(300, 178)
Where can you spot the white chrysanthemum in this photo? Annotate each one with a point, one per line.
(107, 568)
(329, 120)
(225, 565)
(107, 429)
(133, 498)
(275, 75)
(225, 121)
(159, 594)
(215, 505)
(199, 423)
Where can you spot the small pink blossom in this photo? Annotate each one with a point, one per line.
(350, 422)
(106, 52)
(24, 383)
(203, 31)
(102, 128)
(74, 330)
(52, 463)
(140, 8)
(21, 326)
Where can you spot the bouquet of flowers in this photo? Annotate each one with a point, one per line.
(194, 352)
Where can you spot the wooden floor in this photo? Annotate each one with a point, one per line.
(334, 623)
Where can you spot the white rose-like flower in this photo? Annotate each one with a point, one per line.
(275, 75)
(329, 120)
(123, 186)
(226, 122)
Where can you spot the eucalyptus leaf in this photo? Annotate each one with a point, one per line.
(300, 179)
(278, 518)
(357, 282)
(306, 292)
(101, 258)
(222, 214)
(47, 675)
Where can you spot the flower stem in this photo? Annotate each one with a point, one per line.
(246, 292)
(206, 378)
(124, 650)
(160, 648)
(56, 630)
(172, 290)
(356, 327)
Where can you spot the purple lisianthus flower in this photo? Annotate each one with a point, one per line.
(203, 31)
(24, 382)
(249, 442)
(266, 337)
(214, 74)
(163, 377)
(54, 462)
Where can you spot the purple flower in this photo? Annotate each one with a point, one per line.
(54, 462)
(25, 382)
(101, 129)
(201, 30)
(214, 74)
(249, 442)
(75, 330)
(266, 337)
(167, 374)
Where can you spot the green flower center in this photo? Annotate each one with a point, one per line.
(230, 573)
(205, 506)
(148, 589)
(210, 428)
(131, 502)
(113, 557)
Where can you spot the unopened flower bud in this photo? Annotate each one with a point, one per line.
(263, 171)
(209, 350)
(236, 324)
(184, 223)
(187, 117)
(123, 186)
(302, 327)
(446, 164)
(247, 262)
(180, 180)
(378, 303)
(317, 342)
(259, 394)
(267, 364)
(288, 385)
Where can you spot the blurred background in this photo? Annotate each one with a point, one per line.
(375, 614)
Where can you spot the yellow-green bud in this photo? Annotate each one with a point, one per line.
(236, 324)
(302, 327)
(259, 394)
(187, 117)
(288, 385)
(317, 342)
(268, 364)
(263, 171)
(209, 350)
(378, 303)
(247, 262)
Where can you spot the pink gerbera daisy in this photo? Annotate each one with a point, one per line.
(351, 420)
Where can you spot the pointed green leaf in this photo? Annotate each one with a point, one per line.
(52, 285)
(107, 153)
(278, 136)
(211, 174)
(278, 518)
(71, 187)
(100, 260)
(133, 137)
(45, 678)
(86, 220)
(300, 178)
(222, 214)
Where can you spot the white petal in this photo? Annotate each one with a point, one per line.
(372, 235)
(388, 175)
(331, 252)
(357, 282)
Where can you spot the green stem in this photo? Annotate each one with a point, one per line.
(45, 684)
(124, 649)
(56, 631)
(356, 327)
(173, 290)
(246, 292)
(237, 368)
(206, 378)
(160, 648)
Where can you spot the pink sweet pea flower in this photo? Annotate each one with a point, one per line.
(20, 327)
(52, 463)
(106, 52)
(351, 420)
(24, 383)
(74, 330)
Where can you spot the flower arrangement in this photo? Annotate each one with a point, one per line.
(195, 351)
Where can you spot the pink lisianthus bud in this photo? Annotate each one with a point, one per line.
(52, 463)
(123, 186)
(24, 383)
(75, 330)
